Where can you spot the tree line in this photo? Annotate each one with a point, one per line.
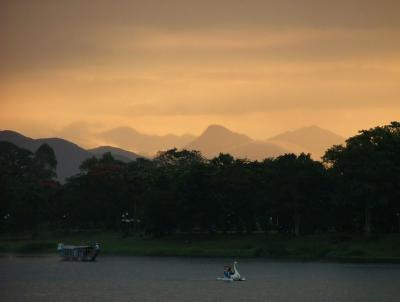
(356, 187)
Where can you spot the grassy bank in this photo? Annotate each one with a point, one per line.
(338, 247)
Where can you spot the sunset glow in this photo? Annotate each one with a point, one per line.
(76, 68)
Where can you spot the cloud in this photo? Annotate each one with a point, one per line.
(43, 35)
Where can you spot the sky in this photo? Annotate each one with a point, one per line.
(76, 68)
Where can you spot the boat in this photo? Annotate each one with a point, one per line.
(226, 279)
(79, 252)
(234, 277)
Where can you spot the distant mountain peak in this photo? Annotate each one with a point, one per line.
(313, 129)
(217, 138)
(219, 129)
(216, 127)
(311, 139)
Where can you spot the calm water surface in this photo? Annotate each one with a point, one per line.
(185, 279)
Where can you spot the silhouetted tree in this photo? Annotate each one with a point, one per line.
(181, 191)
(26, 186)
(368, 167)
(297, 185)
(45, 162)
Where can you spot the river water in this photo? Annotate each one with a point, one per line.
(193, 279)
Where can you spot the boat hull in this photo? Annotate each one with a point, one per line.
(230, 279)
(78, 253)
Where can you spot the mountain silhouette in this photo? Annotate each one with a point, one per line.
(69, 155)
(117, 153)
(129, 138)
(313, 139)
(216, 139)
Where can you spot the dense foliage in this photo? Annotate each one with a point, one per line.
(27, 188)
(356, 187)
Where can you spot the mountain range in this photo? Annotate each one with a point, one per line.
(214, 140)
(69, 155)
(131, 139)
(313, 140)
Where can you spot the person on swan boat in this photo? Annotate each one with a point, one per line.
(228, 272)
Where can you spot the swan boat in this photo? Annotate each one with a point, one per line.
(235, 277)
(79, 252)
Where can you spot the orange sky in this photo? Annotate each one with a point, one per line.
(75, 68)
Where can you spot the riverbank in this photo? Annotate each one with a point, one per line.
(332, 247)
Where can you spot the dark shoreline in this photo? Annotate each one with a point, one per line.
(265, 259)
(338, 248)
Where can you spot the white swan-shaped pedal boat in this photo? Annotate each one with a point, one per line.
(235, 277)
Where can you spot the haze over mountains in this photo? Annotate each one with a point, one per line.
(311, 139)
(129, 138)
(214, 140)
